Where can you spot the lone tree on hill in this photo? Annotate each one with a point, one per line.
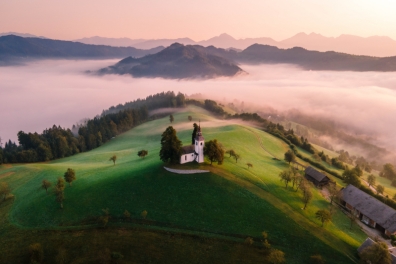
(323, 215)
(236, 157)
(194, 133)
(36, 253)
(190, 118)
(45, 185)
(231, 152)
(142, 153)
(286, 176)
(371, 180)
(171, 118)
(333, 191)
(59, 191)
(113, 159)
(170, 146)
(380, 189)
(290, 156)
(70, 176)
(4, 189)
(250, 165)
(377, 253)
(214, 151)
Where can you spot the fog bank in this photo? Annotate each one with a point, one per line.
(42, 93)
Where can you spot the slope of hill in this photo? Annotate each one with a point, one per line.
(177, 62)
(19, 47)
(232, 202)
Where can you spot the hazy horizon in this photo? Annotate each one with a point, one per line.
(279, 20)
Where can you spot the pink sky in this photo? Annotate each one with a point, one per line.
(73, 19)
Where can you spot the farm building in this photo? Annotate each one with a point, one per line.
(194, 152)
(318, 178)
(369, 242)
(369, 210)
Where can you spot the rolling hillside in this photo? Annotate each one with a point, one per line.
(231, 202)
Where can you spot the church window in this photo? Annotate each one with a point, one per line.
(185, 157)
(201, 143)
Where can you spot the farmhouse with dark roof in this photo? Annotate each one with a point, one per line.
(194, 152)
(369, 210)
(318, 178)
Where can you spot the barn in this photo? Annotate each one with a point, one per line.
(318, 178)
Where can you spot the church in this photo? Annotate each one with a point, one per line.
(194, 152)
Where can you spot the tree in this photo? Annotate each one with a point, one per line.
(290, 156)
(4, 189)
(377, 253)
(170, 146)
(127, 214)
(45, 185)
(323, 215)
(371, 180)
(144, 214)
(388, 171)
(276, 257)
(285, 176)
(142, 153)
(194, 133)
(250, 165)
(171, 118)
(350, 177)
(113, 159)
(380, 189)
(214, 151)
(333, 191)
(305, 187)
(36, 253)
(231, 152)
(104, 219)
(189, 118)
(236, 157)
(317, 259)
(70, 176)
(59, 191)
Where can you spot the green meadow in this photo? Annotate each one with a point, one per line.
(230, 203)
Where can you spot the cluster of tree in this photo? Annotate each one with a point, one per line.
(69, 176)
(57, 142)
(352, 176)
(388, 171)
(151, 102)
(274, 256)
(353, 160)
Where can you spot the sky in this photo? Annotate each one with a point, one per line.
(199, 20)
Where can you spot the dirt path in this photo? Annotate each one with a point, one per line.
(260, 142)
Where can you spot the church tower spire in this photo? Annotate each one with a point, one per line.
(199, 145)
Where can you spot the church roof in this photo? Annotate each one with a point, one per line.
(199, 136)
(188, 149)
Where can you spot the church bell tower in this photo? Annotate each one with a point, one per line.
(199, 145)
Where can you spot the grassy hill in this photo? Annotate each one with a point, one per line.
(230, 203)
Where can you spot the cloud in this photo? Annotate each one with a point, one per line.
(42, 93)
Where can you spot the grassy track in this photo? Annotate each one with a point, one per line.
(231, 200)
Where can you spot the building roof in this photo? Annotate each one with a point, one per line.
(368, 242)
(188, 149)
(315, 174)
(384, 215)
(199, 136)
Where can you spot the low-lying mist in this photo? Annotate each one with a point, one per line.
(40, 94)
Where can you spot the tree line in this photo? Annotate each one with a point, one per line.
(57, 142)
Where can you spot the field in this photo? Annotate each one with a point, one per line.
(221, 208)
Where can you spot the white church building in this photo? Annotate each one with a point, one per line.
(194, 152)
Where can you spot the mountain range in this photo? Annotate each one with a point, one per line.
(377, 46)
(12, 46)
(177, 62)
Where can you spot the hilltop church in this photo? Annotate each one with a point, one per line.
(194, 152)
